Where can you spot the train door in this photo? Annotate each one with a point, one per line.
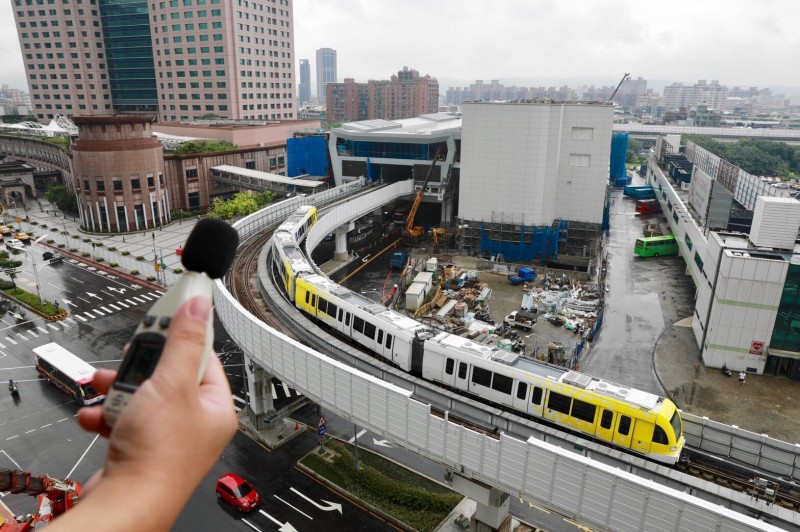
(605, 428)
(537, 401)
(624, 431)
(462, 375)
(449, 376)
(642, 436)
(417, 351)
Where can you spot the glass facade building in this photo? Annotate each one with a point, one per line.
(129, 53)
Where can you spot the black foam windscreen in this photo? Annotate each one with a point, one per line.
(210, 248)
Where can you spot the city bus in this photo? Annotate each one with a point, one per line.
(655, 246)
(647, 206)
(69, 373)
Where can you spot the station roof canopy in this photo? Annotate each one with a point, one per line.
(430, 126)
(266, 176)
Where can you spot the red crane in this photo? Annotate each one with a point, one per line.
(54, 497)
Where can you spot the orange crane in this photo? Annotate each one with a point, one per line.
(410, 230)
(55, 497)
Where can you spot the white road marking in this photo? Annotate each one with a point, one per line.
(156, 294)
(53, 327)
(293, 508)
(108, 311)
(81, 458)
(11, 340)
(70, 320)
(81, 318)
(98, 311)
(134, 303)
(33, 334)
(42, 329)
(29, 431)
(123, 304)
(87, 313)
(60, 420)
(114, 307)
(85, 301)
(45, 426)
(12, 437)
(9, 457)
(137, 299)
(248, 523)
(2, 346)
(144, 296)
(354, 438)
(22, 336)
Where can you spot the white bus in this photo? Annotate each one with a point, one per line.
(69, 373)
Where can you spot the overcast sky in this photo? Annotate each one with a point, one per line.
(738, 42)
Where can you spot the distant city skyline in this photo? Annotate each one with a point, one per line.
(582, 42)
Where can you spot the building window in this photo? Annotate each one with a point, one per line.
(194, 201)
(250, 165)
(135, 184)
(117, 184)
(579, 159)
(698, 261)
(151, 182)
(191, 173)
(688, 242)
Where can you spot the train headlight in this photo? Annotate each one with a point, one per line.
(673, 448)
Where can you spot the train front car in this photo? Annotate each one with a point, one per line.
(667, 448)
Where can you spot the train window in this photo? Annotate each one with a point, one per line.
(583, 410)
(624, 427)
(313, 301)
(449, 365)
(675, 423)
(369, 330)
(332, 310)
(462, 370)
(559, 402)
(308, 296)
(358, 324)
(323, 305)
(481, 376)
(503, 384)
(659, 436)
(388, 341)
(522, 390)
(536, 398)
(340, 315)
(380, 337)
(347, 319)
(606, 418)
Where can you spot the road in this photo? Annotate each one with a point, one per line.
(38, 431)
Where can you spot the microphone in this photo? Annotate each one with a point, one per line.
(207, 255)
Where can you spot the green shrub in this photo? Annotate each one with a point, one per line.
(151, 278)
(54, 229)
(112, 248)
(139, 258)
(6, 284)
(99, 244)
(178, 270)
(87, 239)
(85, 254)
(134, 272)
(61, 246)
(125, 253)
(34, 222)
(50, 240)
(113, 264)
(99, 259)
(74, 250)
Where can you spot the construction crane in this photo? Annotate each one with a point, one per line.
(411, 231)
(626, 77)
(54, 497)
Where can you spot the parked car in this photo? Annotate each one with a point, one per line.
(235, 490)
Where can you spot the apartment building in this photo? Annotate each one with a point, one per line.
(179, 59)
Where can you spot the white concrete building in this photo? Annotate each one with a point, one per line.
(532, 163)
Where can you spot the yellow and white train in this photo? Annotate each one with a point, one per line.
(634, 420)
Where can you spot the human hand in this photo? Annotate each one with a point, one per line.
(170, 434)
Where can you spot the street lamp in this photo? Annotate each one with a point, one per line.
(16, 213)
(64, 223)
(35, 273)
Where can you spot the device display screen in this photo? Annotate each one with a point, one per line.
(140, 361)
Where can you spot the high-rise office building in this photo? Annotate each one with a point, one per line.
(188, 59)
(326, 70)
(304, 86)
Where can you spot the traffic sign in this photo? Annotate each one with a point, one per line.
(321, 430)
(322, 426)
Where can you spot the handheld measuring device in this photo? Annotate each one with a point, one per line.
(207, 255)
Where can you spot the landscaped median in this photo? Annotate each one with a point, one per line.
(415, 501)
(45, 308)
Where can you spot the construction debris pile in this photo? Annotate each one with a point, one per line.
(563, 302)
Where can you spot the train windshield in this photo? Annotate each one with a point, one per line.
(676, 425)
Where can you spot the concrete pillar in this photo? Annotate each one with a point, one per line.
(259, 394)
(341, 253)
(491, 513)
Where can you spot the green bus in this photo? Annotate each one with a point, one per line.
(655, 246)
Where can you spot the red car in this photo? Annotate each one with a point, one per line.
(237, 491)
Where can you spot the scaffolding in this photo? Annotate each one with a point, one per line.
(506, 240)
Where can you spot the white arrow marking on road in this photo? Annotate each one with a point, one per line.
(284, 527)
(293, 508)
(94, 295)
(381, 443)
(115, 289)
(331, 505)
(68, 302)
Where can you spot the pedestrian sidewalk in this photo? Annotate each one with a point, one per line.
(163, 241)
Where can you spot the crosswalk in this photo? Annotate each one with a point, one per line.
(16, 336)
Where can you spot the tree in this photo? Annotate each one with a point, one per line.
(62, 198)
(204, 146)
(241, 204)
(9, 266)
(634, 147)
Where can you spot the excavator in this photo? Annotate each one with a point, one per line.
(410, 231)
(54, 497)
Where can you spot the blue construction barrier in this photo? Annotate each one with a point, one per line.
(535, 243)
